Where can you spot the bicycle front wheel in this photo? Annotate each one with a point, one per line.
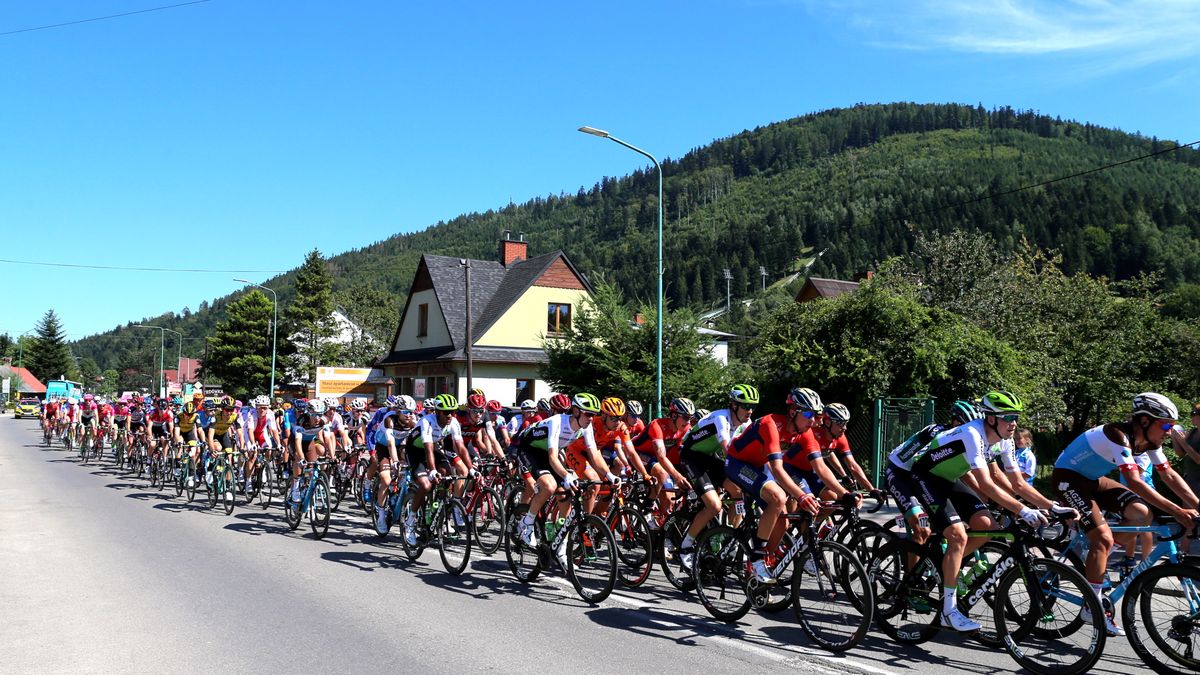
(488, 521)
(832, 596)
(721, 573)
(1162, 618)
(671, 536)
(907, 585)
(592, 559)
(264, 483)
(1049, 595)
(319, 508)
(228, 490)
(524, 561)
(635, 551)
(454, 537)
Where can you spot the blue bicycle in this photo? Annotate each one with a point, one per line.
(314, 499)
(1161, 616)
(397, 491)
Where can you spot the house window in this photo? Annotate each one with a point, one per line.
(437, 385)
(558, 318)
(524, 391)
(423, 319)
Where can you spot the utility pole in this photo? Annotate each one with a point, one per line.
(728, 280)
(466, 265)
(762, 272)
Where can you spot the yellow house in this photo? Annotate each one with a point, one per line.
(515, 302)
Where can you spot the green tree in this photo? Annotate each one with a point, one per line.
(309, 328)
(607, 352)
(240, 354)
(88, 371)
(47, 356)
(110, 382)
(1183, 302)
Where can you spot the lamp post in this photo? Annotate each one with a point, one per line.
(162, 344)
(658, 323)
(178, 358)
(274, 330)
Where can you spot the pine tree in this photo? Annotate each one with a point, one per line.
(240, 355)
(48, 356)
(307, 320)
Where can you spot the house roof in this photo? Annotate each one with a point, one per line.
(479, 354)
(27, 383)
(494, 289)
(828, 288)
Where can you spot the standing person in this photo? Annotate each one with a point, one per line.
(1026, 460)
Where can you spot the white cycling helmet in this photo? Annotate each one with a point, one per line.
(261, 400)
(358, 404)
(1155, 405)
(429, 403)
(331, 402)
(528, 404)
(317, 406)
(406, 402)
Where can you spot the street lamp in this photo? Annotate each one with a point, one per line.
(659, 323)
(178, 358)
(274, 330)
(162, 345)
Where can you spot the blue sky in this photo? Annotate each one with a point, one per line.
(241, 133)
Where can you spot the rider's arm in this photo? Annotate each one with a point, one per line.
(826, 474)
(852, 464)
(986, 488)
(660, 451)
(1179, 486)
(1014, 483)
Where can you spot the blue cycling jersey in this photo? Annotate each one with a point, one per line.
(1094, 455)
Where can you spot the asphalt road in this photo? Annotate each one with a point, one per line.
(99, 573)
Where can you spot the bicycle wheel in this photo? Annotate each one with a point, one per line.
(228, 490)
(264, 479)
(671, 538)
(337, 486)
(293, 509)
(357, 488)
(865, 539)
(721, 573)
(832, 596)
(413, 551)
(1056, 599)
(984, 561)
(454, 537)
(85, 448)
(211, 477)
(908, 598)
(635, 549)
(778, 596)
(319, 507)
(488, 521)
(524, 561)
(1161, 616)
(591, 559)
(190, 478)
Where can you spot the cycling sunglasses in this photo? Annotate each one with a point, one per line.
(808, 414)
(1009, 418)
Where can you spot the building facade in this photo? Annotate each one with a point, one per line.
(515, 303)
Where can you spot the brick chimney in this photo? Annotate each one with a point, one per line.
(513, 250)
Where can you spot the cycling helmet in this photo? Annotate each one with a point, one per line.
(633, 408)
(612, 406)
(210, 405)
(301, 404)
(161, 403)
(429, 403)
(147, 399)
(1000, 403)
(528, 404)
(476, 402)
(237, 403)
(700, 414)
(560, 403)
(261, 402)
(226, 402)
(543, 405)
(405, 402)
(393, 400)
(805, 399)
(837, 413)
(358, 404)
(586, 402)
(744, 394)
(963, 411)
(317, 406)
(475, 392)
(682, 406)
(331, 402)
(197, 396)
(88, 397)
(494, 407)
(178, 400)
(71, 400)
(445, 403)
(189, 408)
(1155, 405)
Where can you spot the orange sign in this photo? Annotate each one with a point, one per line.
(341, 381)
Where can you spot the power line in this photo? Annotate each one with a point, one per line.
(101, 18)
(1044, 183)
(137, 269)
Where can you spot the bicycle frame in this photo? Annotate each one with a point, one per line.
(1165, 548)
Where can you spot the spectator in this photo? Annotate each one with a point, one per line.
(1191, 467)
(1026, 460)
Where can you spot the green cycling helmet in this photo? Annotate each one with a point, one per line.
(744, 394)
(586, 402)
(1000, 403)
(445, 403)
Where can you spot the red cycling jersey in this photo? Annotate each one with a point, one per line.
(658, 431)
(801, 450)
(160, 417)
(828, 443)
(759, 443)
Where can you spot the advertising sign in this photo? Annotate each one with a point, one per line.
(340, 381)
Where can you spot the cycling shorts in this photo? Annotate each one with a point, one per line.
(420, 467)
(225, 440)
(188, 436)
(158, 431)
(1089, 497)
(944, 501)
(900, 484)
(135, 427)
(537, 462)
(705, 472)
(749, 478)
(801, 478)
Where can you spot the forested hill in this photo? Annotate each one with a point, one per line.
(859, 183)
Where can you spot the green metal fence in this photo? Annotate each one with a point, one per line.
(894, 420)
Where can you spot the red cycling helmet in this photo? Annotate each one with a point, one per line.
(494, 407)
(560, 403)
(476, 402)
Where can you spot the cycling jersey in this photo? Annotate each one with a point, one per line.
(1094, 454)
(187, 422)
(829, 444)
(955, 452)
(336, 424)
(710, 435)
(87, 411)
(471, 431)
(260, 426)
(120, 413)
(657, 431)
(802, 449)
(160, 417)
(758, 444)
(429, 431)
(605, 439)
(914, 446)
(137, 415)
(223, 421)
(554, 434)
